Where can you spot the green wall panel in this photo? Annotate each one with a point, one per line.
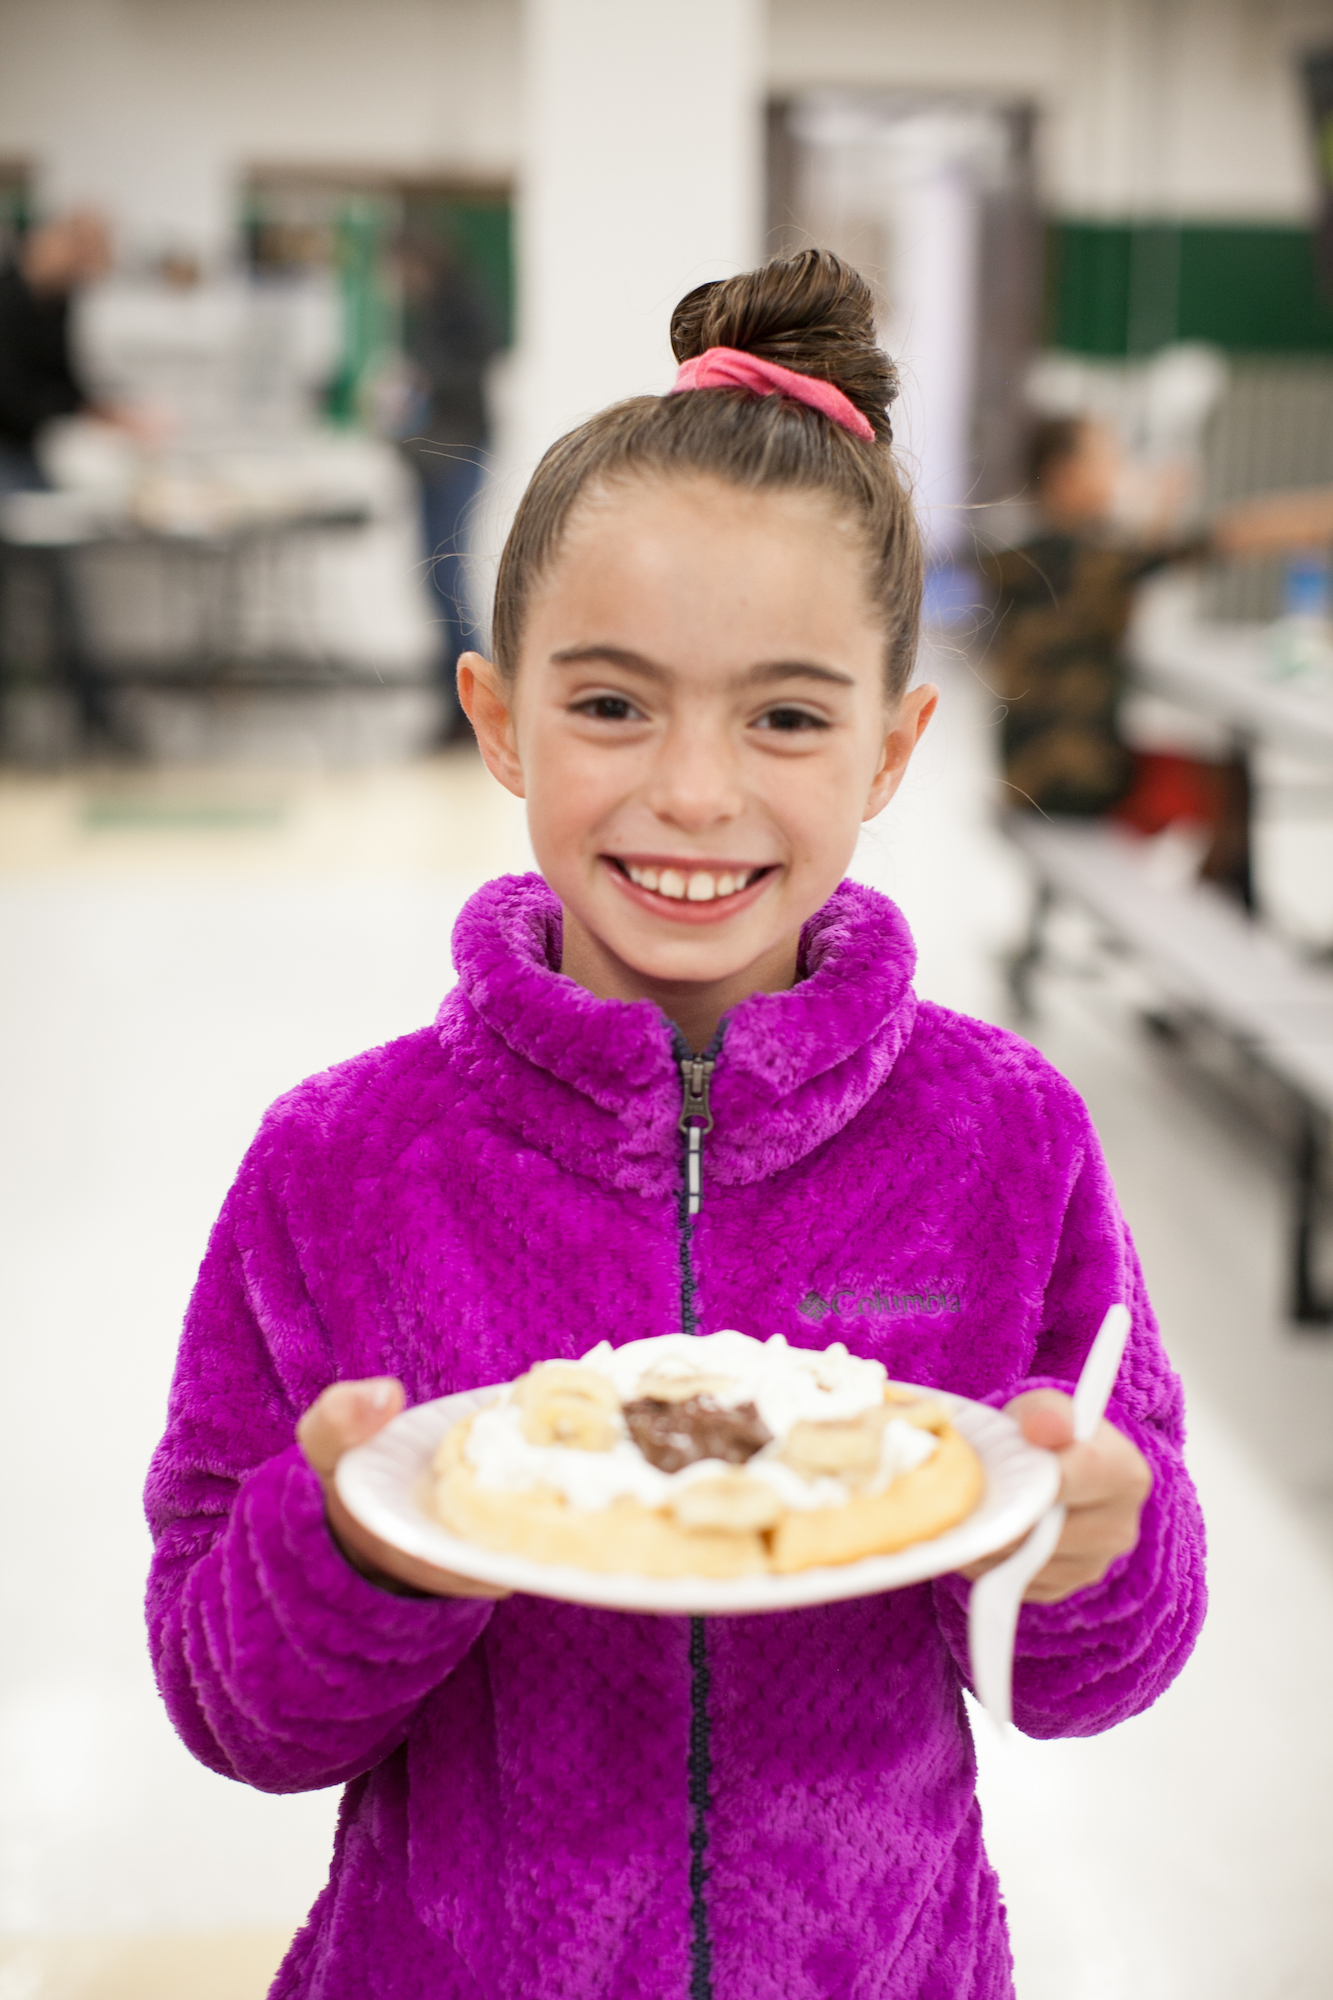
(1087, 287)
(1117, 288)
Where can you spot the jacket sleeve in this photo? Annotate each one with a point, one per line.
(1106, 1652)
(279, 1664)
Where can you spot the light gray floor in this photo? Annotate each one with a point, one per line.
(167, 978)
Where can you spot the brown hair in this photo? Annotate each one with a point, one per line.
(1054, 441)
(811, 313)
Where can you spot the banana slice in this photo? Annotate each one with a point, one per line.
(572, 1421)
(914, 1408)
(845, 1450)
(728, 1504)
(565, 1379)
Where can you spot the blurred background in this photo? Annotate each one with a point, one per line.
(292, 295)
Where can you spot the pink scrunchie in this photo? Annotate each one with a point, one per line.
(729, 368)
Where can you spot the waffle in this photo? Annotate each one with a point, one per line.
(716, 1456)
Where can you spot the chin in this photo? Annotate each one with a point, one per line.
(671, 967)
(701, 957)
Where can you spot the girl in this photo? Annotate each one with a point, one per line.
(705, 621)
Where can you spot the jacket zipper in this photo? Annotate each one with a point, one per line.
(696, 1121)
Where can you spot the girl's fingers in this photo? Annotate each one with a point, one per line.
(1045, 1417)
(1106, 1470)
(1103, 1486)
(346, 1415)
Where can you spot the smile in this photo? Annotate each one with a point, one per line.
(699, 885)
(694, 891)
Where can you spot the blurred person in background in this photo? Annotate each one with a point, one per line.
(39, 378)
(449, 335)
(39, 383)
(1064, 602)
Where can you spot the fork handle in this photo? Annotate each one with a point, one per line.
(992, 1614)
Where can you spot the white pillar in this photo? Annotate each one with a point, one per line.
(642, 176)
(932, 335)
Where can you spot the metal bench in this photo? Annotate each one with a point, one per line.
(1216, 962)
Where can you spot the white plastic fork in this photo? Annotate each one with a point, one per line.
(992, 1618)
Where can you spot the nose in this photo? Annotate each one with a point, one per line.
(695, 780)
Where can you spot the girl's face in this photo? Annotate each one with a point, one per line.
(698, 725)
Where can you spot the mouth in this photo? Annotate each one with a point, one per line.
(689, 891)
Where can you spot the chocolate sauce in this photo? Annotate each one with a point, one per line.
(671, 1435)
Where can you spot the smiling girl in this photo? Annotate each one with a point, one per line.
(683, 1082)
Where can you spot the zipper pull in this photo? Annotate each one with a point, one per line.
(695, 1119)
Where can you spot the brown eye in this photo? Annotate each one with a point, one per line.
(606, 708)
(789, 720)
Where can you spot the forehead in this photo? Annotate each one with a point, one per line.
(699, 568)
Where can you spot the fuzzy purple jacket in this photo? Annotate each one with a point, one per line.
(546, 1800)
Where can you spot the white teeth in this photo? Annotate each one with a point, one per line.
(699, 886)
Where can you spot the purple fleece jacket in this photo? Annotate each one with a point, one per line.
(545, 1800)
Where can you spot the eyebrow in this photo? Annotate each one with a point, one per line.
(795, 670)
(764, 674)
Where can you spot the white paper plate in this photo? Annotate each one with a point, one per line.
(386, 1484)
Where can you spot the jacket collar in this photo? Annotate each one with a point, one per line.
(595, 1084)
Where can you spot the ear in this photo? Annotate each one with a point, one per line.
(906, 728)
(487, 707)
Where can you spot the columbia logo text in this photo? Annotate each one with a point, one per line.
(850, 1302)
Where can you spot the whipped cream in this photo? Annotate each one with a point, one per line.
(786, 1384)
(903, 1447)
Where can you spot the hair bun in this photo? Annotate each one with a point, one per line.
(810, 312)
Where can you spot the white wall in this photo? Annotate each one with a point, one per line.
(1184, 107)
(152, 107)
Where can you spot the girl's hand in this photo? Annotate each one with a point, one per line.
(345, 1415)
(1104, 1484)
